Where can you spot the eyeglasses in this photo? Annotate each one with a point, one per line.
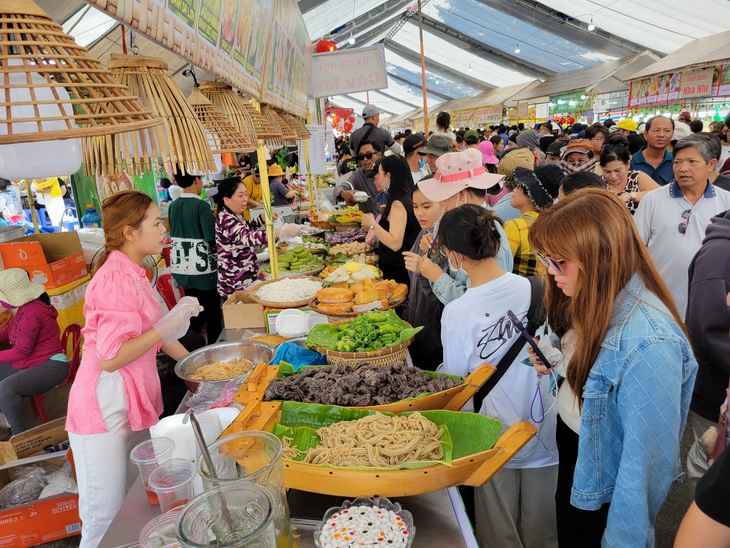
(367, 155)
(549, 262)
(682, 227)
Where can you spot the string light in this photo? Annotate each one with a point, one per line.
(517, 49)
(351, 40)
(591, 25)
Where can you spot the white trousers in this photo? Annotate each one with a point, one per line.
(103, 470)
(697, 463)
(525, 496)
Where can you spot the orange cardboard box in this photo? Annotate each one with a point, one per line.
(53, 260)
(48, 519)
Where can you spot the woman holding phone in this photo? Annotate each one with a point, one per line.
(632, 368)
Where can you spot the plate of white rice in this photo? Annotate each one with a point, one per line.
(289, 292)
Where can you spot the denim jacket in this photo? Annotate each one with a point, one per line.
(635, 406)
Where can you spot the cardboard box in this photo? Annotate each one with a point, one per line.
(240, 311)
(44, 439)
(53, 260)
(271, 314)
(40, 521)
(44, 520)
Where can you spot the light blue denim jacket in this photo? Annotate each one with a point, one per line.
(635, 406)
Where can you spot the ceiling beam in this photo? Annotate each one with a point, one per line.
(309, 5)
(393, 98)
(480, 49)
(438, 68)
(407, 82)
(368, 34)
(565, 26)
(383, 16)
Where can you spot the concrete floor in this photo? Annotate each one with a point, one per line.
(670, 515)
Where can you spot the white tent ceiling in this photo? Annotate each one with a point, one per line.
(470, 45)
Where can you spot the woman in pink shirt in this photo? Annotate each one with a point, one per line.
(116, 396)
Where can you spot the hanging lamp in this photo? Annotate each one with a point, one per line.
(264, 129)
(222, 134)
(288, 135)
(297, 125)
(52, 94)
(179, 141)
(223, 98)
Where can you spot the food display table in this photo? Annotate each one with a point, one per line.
(439, 518)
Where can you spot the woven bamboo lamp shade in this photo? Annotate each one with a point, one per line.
(223, 98)
(288, 135)
(222, 135)
(180, 140)
(264, 129)
(52, 90)
(297, 125)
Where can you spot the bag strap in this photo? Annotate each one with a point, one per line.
(367, 134)
(536, 315)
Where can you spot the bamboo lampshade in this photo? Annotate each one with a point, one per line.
(222, 135)
(264, 129)
(288, 135)
(70, 94)
(297, 125)
(227, 102)
(180, 140)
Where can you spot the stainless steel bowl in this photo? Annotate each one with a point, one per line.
(220, 352)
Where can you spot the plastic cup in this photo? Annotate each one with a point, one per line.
(173, 482)
(252, 456)
(160, 531)
(148, 455)
(229, 516)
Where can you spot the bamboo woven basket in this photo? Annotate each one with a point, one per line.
(297, 125)
(264, 129)
(288, 135)
(381, 357)
(180, 140)
(452, 399)
(291, 304)
(222, 134)
(474, 470)
(314, 305)
(229, 103)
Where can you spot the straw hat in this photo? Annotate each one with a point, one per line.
(16, 289)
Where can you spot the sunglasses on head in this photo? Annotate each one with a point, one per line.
(367, 155)
(549, 262)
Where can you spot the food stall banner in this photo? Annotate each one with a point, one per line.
(522, 109)
(91, 189)
(232, 40)
(616, 101)
(417, 125)
(349, 71)
(488, 115)
(673, 87)
(289, 58)
(569, 103)
(463, 118)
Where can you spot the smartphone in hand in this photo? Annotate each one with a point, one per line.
(530, 340)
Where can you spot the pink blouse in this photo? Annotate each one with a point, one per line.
(120, 305)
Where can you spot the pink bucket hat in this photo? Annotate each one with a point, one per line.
(457, 171)
(487, 150)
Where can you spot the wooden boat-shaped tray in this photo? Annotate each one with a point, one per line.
(452, 399)
(474, 469)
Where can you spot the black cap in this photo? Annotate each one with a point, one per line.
(556, 147)
(413, 142)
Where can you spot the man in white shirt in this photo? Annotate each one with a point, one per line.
(672, 219)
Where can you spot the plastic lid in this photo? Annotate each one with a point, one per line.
(89, 206)
(153, 450)
(169, 476)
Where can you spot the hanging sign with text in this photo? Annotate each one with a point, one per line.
(348, 71)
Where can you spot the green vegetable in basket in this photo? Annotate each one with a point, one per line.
(370, 331)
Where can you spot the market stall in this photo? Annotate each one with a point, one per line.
(490, 107)
(579, 93)
(695, 78)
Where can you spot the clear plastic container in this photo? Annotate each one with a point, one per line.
(148, 455)
(173, 482)
(160, 531)
(237, 515)
(251, 456)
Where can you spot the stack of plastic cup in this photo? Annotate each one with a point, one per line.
(173, 482)
(148, 455)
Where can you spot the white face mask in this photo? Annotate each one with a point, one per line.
(453, 268)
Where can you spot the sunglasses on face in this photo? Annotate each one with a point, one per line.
(682, 227)
(549, 262)
(367, 155)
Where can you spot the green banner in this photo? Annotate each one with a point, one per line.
(569, 103)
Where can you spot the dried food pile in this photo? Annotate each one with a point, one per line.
(356, 386)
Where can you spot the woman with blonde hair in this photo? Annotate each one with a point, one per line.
(632, 369)
(116, 395)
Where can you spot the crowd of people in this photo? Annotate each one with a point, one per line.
(629, 226)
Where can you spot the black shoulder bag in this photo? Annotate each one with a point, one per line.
(536, 315)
